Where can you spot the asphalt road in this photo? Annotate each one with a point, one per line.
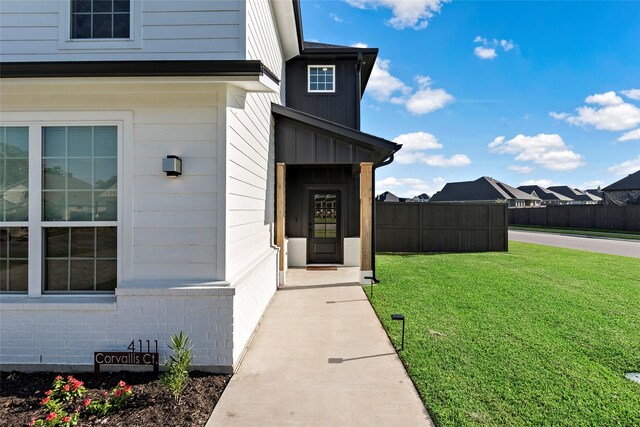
(630, 248)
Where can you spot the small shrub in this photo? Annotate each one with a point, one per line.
(64, 403)
(177, 374)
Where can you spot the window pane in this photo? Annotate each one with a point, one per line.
(105, 140)
(14, 173)
(18, 275)
(54, 206)
(18, 242)
(81, 6)
(106, 275)
(54, 174)
(80, 206)
(102, 26)
(14, 141)
(102, 6)
(107, 239)
(106, 172)
(121, 5)
(121, 26)
(81, 26)
(57, 275)
(79, 174)
(106, 205)
(54, 142)
(57, 242)
(79, 140)
(82, 242)
(82, 275)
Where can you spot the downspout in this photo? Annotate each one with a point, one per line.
(373, 216)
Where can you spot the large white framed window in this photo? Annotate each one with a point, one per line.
(66, 236)
(100, 24)
(321, 78)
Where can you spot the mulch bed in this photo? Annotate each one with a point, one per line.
(150, 406)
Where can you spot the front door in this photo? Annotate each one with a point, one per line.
(324, 244)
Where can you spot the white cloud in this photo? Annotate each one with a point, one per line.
(611, 113)
(546, 150)
(406, 14)
(360, 45)
(485, 53)
(457, 160)
(417, 141)
(632, 94)
(592, 184)
(336, 18)
(626, 168)
(521, 169)
(382, 85)
(487, 48)
(607, 98)
(426, 99)
(414, 146)
(541, 182)
(630, 136)
(409, 187)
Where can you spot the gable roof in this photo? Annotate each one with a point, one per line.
(544, 193)
(387, 196)
(321, 133)
(574, 193)
(482, 189)
(631, 182)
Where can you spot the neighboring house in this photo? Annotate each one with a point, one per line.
(579, 197)
(547, 197)
(387, 196)
(485, 189)
(420, 198)
(595, 192)
(114, 243)
(623, 192)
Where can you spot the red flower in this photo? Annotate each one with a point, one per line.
(48, 392)
(122, 383)
(70, 378)
(118, 392)
(66, 419)
(32, 422)
(104, 393)
(45, 400)
(127, 388)
(66, 387)
(86, 402)
(51, 416)
(59, 378)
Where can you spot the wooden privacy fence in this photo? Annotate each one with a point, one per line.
(623, 218)
(441, 227)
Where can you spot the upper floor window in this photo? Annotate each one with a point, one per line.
(322, 78)
(100, 19)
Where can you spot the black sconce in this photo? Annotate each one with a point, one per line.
(172, 166)
(399, 317)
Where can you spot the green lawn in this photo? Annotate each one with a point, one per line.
(580, 232)
(537, 336)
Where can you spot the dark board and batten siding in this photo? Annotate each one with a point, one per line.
(298, 144)
(441, 227)
(622, 218)
(341, 106)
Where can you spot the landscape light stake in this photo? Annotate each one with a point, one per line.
(399, 317)
(373, 281)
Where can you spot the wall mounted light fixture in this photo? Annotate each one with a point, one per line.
(172, 166)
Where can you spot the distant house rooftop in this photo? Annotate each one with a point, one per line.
(631, 182)
(544, 193)
(575, 194)
(387, 196)
(482, 189)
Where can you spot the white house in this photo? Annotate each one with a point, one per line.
(99, 246)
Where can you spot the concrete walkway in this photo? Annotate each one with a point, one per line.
(630, 248)
(320, 358)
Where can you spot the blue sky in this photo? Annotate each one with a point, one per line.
(525, 92)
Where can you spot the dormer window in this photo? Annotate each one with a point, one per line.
(100, 19)
(322, 78)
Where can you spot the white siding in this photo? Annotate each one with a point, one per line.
(173, 221)
(196, 29)
(262, 36)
